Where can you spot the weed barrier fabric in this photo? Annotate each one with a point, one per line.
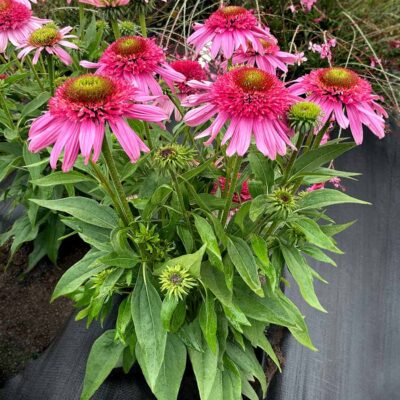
(358, 340)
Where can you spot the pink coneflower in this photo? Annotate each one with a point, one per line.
(228, 29)
(50, 39)
(136, 60)
(270, 60)
(253, 101)
(16, 23)
(316, 186)
(79, 113)
(339, 89)
(191, 70)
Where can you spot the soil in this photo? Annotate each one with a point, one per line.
(28, 322)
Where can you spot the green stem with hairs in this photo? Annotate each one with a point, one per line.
(50, 63)
(180, 199)
(110, 191)
(116, 180)
(115, 28)
(35, 74)
(3, 104)
(148, 135)
(143, 27)
(237, 162)
(81, 19)
(19, 65)
(293, 156)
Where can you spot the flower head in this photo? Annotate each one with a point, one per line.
(254, 101)
(281, 202)
(51, 39)
(16, 23)
(271, 59)
(79, 112)
(348, 98)
(304, 115)
(174, 156)
(177, 281)
(136, 60)
(228, 29)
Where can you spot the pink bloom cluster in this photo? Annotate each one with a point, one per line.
(16, 23)
(229, 29)
(323, 49)
(241, 197)
(253, 101)
(51, 40)
(346, 97)
(79, 113)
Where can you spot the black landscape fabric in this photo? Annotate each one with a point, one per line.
(358, 339)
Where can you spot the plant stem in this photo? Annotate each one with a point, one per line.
(35, 74)
(3, 104)
(180, 199)
(115, 28)
(293, 156)
(81, 19)
(50, 64)
(142, 21)
(110, 191)
(112, 168)
(148, 135)
(19, 65)
(237, 162)
(321, 133)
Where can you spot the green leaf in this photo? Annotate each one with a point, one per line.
(205, 365)
(317, 254)
(22, 231)
(302, 275)
(78, 274)
(214, 280)
(300, 330)
(314, 234)
(122, 260)
(257, 336)
(35, 104)
(190, 261)
(168, 307)
(103, 358)
(207, 235)
(171, 373)
(242, 258)
(332, 230)
(151, 335)
(158, 198)
(325, 197)
(257, 207)
(123, 319)
(247, 361)
(262, 168)
(267, 309)
(84, 209)
(208, 322)
(61, 178)
(318, 157)
(188, 175)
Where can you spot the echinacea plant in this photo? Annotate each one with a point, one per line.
(190, 238)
